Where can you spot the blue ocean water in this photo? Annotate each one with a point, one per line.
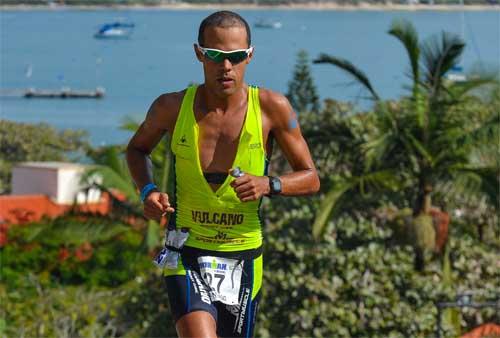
(54, 48)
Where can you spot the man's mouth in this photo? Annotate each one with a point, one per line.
(226, 81)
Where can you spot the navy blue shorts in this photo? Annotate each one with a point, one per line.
(189, 292)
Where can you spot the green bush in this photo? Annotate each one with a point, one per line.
(114, 254)
(355, 283)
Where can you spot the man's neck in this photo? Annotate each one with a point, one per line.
(213, 102)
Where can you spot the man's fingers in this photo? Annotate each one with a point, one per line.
(248, 195)
(163, 199)
(168, 210)
(157, 206)
(240, 180)
(166, 207)
(244, 187)
(153, 210)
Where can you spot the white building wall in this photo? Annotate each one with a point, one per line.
(60, 181)
(68, 185)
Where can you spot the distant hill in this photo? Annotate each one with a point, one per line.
(250, 2)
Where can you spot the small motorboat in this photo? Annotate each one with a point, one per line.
(115, 30)
(456, 74)
(267, 23)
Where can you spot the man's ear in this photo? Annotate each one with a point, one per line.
(199, 55)
(250, 55)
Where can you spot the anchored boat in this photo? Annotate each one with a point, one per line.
(115, 30)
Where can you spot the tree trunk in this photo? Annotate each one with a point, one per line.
(423, 229)
(423, 202)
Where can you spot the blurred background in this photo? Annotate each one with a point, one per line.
(400, 106)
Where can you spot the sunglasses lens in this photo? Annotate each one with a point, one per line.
(234, 57)
(237, 57)
(215, 55)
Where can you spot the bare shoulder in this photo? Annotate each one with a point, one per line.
(164, 111)
(276, 108)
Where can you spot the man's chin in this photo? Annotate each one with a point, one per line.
(225, 92)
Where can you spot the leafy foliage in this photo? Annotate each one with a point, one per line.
(87, 276)
(73, 250)
(427, 138)
(21, 142)
(354, 282)
(302, 92)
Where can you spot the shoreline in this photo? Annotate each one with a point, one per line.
(309, 6)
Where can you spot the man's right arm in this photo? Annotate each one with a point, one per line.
(159, 120)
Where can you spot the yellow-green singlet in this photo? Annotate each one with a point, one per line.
(217, 220)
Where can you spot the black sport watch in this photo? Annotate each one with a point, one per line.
(274, 185)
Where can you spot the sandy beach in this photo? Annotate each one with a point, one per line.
(310, 6)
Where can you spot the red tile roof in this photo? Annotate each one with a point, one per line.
(15, 209)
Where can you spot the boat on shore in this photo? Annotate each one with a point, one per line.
(64, 93)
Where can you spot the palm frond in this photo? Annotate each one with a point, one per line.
(352, 70)
(406, 33)
(476, 181)
(153, 237)
(328, 204)
(486, 133)
(440, 54)
(421, 149)
(376, 148)
(380, 180)
(130, 124)
(459, 89)
(111, 180)
(67, 230)
(115, 160)
(385, 179)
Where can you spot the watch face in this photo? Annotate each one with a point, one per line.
(275, 185)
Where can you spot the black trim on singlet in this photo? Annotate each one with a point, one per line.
(259, 209)
(215, 178)
(172, 219)
(243, 254)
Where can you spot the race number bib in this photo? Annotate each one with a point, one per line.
(223, 276)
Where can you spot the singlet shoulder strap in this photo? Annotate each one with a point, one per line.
(254, 124)
(185, 114)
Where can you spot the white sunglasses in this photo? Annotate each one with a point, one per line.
(234, 56)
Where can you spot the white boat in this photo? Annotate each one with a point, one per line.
(115, 30)
(267, 23)
(456, 74)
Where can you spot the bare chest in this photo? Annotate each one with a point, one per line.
(219, 136)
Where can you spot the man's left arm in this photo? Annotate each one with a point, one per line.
(303, 180)
(284, 127)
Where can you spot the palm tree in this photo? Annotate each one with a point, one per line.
(112, 168)
(429, 135)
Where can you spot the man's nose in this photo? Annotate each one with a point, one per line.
(227, 65)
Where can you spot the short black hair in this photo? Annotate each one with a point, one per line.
(223, 19)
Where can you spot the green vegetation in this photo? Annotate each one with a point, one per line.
(440, 136)
(302, 92)
(355, 275)
(21, 142)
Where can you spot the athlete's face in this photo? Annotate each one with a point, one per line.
(224, 78)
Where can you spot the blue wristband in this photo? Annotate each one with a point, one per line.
(146, 190)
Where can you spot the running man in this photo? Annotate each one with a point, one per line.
(222, 134)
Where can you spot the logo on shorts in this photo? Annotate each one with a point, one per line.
(199, 287)
(243, 310)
